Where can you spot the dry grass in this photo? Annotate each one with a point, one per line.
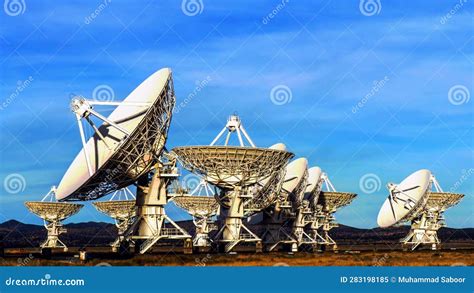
(393, 258)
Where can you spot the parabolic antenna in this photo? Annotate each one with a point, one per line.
(278, 146)
(441, 201)
(126, 145)
(290, 209)
(294, 183)
(53, 213)
(122, 211)
(201, 204)
(421, 200)
(198, 205)
(314, 185)
(332, 201)
(230, 166)
(324, 201)
(235, 170)
(266, 192)
(406, 199)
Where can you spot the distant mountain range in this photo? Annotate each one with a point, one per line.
(17, 234)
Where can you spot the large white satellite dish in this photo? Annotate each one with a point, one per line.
(405, 199)
(125, 146)
(421, 200)
(314, 185)
(295, 171)
(237, 171)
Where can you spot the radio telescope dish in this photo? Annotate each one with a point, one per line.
(122, 211)
(406, 199)
(52, 214)
(128, 148)
(294, 183)
(421, 200)
(202, 207)
(324, 202)
(314, 186)
(229, 166)
(278, 146)
(266, 191)
(236, 170)
(198, 205)
(126, 145)
(290, 210)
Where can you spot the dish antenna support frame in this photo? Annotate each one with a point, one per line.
(234, 124)
(323, 218)
(83, 109)
(150, 226)
(53, 224)
(424, 226)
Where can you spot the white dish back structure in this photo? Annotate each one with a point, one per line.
(406, 200)
(124, 148)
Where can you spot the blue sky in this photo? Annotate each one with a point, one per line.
(328, 54)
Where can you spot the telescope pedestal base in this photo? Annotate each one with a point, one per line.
(275, 236)
(418, 237)
(234, 232)
(152, 224)
(424, 231)
(54, 230)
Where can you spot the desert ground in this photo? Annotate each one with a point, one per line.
(354, 258)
